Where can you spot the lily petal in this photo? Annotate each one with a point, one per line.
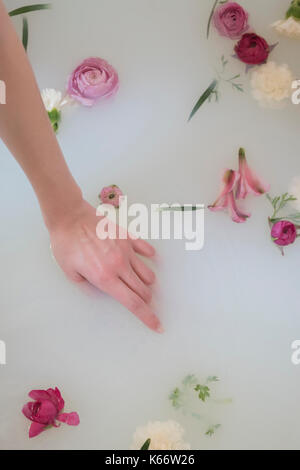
(72, 419)
(249, 182)
(230, 179)
(35, 429)
(236, 214)
(220, 204)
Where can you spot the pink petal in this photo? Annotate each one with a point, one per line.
(230, 179)
(222, 203)
(43, 412)
(249, 182)
(56, 398)
(47, 412)
(35, 429)
(39, 395)
(27, 410)
(72, 419)
(236, 214)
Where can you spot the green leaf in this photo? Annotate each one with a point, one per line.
(30, 8)
(210, 18)
(212, 378)
(234, 78)
(146, 445)
(175, 398)
(204, 97)
(189, 380)
(25, 33)
(212, 429)
(238, 86)
(269, 198)
(55, 118)
(279, 203)
(294, 10)
(204, 391)
(294, 218)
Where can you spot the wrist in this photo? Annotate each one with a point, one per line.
(61, 205)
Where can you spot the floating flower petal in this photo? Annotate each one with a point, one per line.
(249, 182)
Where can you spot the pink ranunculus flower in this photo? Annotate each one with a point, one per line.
(284, 233)
(249, 182)
(92, 80)
(111, 195)
(226, 199)
(252, 49)
(46, 409)
(231, 20)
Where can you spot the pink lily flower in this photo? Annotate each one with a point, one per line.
(249, 182)
(226, 199)
(46, 409)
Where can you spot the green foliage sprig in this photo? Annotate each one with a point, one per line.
(185, 399)
(279, 203)
(213, 89)
(28, 9)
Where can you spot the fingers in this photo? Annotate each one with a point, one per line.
(75, 277)
(145, 273)
(133, 281)
(134, 304)
(143, 248)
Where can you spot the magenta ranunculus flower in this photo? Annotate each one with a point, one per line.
(46, 409)
(231, 20)
(111, 195)
(92, 80)
(284, 233)
(252, 49)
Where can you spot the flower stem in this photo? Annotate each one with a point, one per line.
(210, 18)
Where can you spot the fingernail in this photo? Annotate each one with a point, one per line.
(160, 329)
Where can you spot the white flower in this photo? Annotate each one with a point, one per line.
(53, 99)
(271, 84)
(164, 436)
(295, 191)
(289, 27)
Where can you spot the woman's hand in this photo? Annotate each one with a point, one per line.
(111, 265)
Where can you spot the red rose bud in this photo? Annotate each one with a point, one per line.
(252, 49)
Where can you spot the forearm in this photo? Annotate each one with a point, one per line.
(25, 129)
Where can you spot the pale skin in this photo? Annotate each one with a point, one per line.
(113, 266)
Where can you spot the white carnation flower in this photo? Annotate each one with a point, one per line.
(53, 99)
(166, 435)
(271, 84)
(289, 27)
(295, 191)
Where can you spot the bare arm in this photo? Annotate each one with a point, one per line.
(110, 265)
